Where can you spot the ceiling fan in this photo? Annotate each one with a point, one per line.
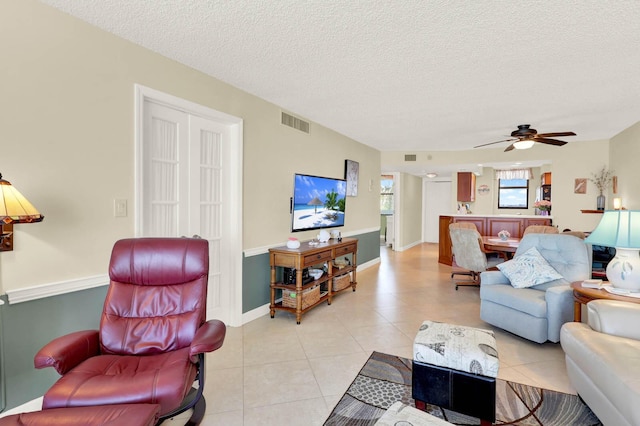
(525, 137)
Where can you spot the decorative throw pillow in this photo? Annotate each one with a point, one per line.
(529, 269)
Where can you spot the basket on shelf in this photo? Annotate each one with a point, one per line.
(341, 282)
(309, 297)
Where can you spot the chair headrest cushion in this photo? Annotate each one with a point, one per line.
(159, 261)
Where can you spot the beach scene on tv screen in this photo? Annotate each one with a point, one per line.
(318, 202)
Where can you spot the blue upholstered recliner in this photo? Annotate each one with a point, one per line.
(537, 313)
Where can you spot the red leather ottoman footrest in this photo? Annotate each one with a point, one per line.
(103, 415)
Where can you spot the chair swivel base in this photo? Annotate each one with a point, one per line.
(474, 282)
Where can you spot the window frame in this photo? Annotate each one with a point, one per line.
(525, 187)
(389, 195)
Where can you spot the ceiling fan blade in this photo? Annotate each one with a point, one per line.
(549, 141)
(491, 143)
(553, 135)
(509, 148)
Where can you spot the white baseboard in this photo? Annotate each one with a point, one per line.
(27, 407)
(407, 247)
(255, 313)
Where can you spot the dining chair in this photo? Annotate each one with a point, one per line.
(469, 253)
(455, 268)
(540, 229)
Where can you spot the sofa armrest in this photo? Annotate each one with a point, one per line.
(65, 352)
(493, 277)
(614, 317)
(560, 301)
(208, 338)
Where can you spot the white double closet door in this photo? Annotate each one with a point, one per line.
(184, 189)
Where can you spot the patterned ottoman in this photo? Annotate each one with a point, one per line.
(455, 367)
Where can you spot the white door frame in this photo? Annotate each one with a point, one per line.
(235, 125)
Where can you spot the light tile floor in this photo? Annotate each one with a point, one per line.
(274, 372)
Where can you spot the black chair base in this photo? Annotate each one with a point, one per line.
(194, 400)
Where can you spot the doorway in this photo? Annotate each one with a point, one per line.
(189, 183)
(437, 202)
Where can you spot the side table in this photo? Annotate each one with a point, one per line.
(582, 295)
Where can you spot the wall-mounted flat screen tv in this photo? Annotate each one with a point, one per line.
(318, 202)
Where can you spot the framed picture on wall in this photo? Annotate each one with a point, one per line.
(580, 186)
(351, 171)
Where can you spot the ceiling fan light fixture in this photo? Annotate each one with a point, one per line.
(523, 144)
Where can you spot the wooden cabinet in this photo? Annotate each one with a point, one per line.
(445, 255)
(545, 178)
(487, 225)
(307, 256)
(514, 226)
(466, 186)
(479, 222)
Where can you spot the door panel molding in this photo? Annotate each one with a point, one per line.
(232, 185)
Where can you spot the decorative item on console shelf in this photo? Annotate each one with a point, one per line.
(289, 276)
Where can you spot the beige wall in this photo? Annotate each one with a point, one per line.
(68, 144)
(625, 153)
(410, 211)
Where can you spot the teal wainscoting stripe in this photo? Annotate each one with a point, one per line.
(256, 272)
(28, 326)
(256, 277)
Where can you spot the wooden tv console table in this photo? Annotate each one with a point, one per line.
(306, 256)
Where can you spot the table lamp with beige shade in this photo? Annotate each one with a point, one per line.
(14, 208)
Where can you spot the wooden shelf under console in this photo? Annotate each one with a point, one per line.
(307, 256)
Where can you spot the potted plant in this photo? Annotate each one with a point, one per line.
(544, 206)
(602, 180)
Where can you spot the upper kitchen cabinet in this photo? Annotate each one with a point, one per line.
(466, 186)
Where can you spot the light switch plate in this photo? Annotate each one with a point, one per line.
(120, 208)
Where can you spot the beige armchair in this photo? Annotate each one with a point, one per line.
(540, 229)
(602, 360)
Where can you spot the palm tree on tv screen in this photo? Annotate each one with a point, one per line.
(331, 201)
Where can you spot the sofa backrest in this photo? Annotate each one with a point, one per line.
(567, 254)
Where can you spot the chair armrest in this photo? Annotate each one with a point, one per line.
(65, 352)
(493, 277)
(208, 338)
(560, 302)
(614, 317)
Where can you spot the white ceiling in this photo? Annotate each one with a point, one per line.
(411, 75)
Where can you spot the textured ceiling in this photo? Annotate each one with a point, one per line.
(410, 75)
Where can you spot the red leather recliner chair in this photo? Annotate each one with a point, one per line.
(153, 333)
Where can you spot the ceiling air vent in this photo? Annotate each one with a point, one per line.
(410, 157)
(295, 122)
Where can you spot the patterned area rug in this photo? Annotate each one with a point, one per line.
(385, 379)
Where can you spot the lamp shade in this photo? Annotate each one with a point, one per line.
(620, 229)
(14, 208)
(523, 144)
(617, 228)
